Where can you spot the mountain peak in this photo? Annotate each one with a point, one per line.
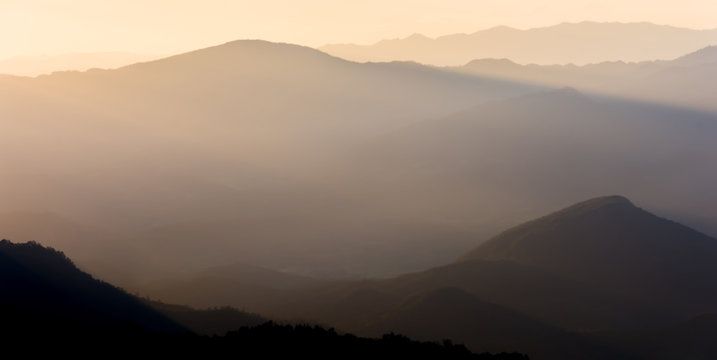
(610, 242)
(601, 202)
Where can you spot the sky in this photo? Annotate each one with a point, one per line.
(51, 27)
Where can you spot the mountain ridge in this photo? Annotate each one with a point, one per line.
(521, 45)
(615, 245)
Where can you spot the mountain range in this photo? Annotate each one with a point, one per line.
(687, 81)
(567, 43)
(289, 159)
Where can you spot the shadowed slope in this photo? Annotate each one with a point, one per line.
(42, 291)
(455, 314)
(614, 245)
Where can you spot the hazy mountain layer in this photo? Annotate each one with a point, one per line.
(577, 43)
(286, 158)
(547, 150)
(687, 81)
(217, 156)
(49, 307)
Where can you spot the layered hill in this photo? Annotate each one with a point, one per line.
(578, 43)
(284, 157)
(48, 307)
(685, 81)
(545, 150)
(43, 292)
(578, 283)
(613, 245)
(228, 143)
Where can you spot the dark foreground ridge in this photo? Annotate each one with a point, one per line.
(48, 306)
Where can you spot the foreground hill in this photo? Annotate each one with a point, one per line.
(44, 292)
(48, 301)
(578, 43)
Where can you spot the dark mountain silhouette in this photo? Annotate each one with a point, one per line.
(579, 43)
(47, 300)
(613, 245)
(273, 341)
(212, 321)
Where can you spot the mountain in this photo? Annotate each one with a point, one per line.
(229, 144)
(47, 300)
(43, 292)
(237, 284)
(613, 245)
(211, 321)
(454, 313)
(286, 158)
(577, 43)
(685, 81)
(707, 55)
(47, 64)
(578, 283)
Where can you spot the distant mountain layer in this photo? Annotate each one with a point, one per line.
(689, 80)
(577, 43)
(544, 150)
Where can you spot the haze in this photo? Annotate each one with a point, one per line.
(544, 186)
(46, 27)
